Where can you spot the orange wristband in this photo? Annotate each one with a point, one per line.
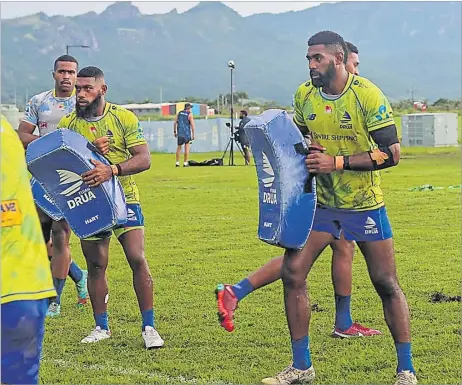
(338, 161)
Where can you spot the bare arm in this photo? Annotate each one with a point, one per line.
(25, 132)
(175, 125)
(386, 155)
(193, 125)
(139, 162)
(366, 161)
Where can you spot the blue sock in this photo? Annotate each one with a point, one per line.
(403, 350)
(148, 318)
(75, 272)
(301, 353)
(242, 289)
(342, 312)
(101, 320)
(59, 286)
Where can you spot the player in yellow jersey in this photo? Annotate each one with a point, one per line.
(117, 133)
(26, 275)
(342, 265)
(352, 119)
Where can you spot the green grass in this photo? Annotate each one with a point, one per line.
(201, 226)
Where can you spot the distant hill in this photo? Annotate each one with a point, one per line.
(403, 46)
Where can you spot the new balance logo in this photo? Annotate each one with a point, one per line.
(267, 182)
(68, 177)
(370, 227)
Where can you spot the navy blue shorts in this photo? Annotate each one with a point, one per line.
(135, 220)
(23, 327)
(359, 226)
(183, 140)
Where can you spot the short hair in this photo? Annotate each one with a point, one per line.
(244, 112)
(330, 39)
(352, 48)
(67, 58)
(90, 72)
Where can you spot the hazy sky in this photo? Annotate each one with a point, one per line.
(11, 9)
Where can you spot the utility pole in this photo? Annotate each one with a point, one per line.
(412, 94)
(160, 91)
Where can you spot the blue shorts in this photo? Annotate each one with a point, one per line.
(359, 226)
(183, 140)
(135, 220)
(23, 327)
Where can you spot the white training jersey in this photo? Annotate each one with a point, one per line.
(45, 110)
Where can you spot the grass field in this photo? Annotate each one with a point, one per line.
(201, 228)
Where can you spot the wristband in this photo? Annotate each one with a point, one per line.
(346, 162)
(338, 162)
(119, 170)
(115, 170)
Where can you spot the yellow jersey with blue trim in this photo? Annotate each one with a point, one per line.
(26, 273)
(124, 131)
(342, 124)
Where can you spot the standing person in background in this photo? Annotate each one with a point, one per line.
(184, 129)
(243, 139)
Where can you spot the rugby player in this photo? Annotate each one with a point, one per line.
(26, 275)
(43, 112)
(118, 135)
(352, 120)
(342, 265)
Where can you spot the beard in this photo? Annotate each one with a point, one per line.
(323, 80)
(90, 110)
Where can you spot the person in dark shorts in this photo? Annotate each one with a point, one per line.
(184, 129)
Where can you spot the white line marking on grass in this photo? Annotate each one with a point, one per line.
(128, 371)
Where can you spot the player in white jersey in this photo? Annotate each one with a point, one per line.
(42, 113)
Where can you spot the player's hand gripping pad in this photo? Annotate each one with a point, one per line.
(287, 192)
(57, 160)
(43, 200)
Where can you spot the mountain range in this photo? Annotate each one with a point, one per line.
(406, 48)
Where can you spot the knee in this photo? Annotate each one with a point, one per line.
(343, 251)
(137, 262)
(96, 269)
(291, 278)
(386, 285)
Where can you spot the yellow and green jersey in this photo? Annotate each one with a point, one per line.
(342, 124)
(26, 273)
(124, 131)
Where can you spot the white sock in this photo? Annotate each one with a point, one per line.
(177, 163)
(185, 163)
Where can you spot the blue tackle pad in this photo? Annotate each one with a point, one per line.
(287, 192)
(44, 202)
(57, 160)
